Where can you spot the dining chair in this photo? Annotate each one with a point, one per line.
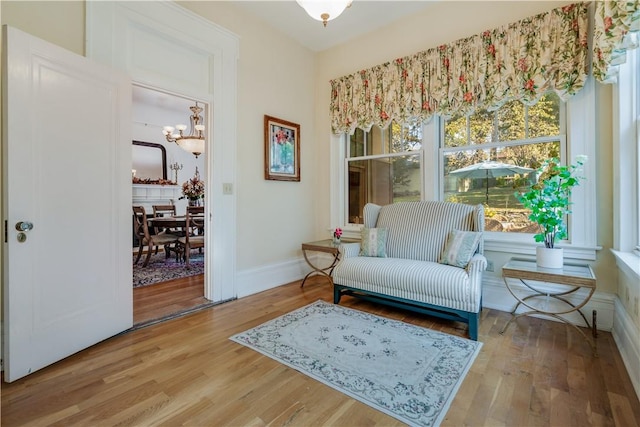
(195, 222)
(150, 240)
(166, 210)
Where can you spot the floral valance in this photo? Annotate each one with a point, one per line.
(616, 27)
(521, 61)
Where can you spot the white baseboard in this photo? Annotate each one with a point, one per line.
(627, 338)
(260, 279)
(494, 292)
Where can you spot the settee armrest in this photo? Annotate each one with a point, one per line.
(477, 264)
(349, 250)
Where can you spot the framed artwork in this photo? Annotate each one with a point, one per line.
(281, 150)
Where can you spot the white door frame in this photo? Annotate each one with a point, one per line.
(162, 45)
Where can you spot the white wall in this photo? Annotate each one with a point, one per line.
(147, 127)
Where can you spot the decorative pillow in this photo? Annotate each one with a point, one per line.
(374, 242)
(460, 247)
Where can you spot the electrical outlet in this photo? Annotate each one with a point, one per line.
(489, 265)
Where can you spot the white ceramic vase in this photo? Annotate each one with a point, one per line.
(549, 257)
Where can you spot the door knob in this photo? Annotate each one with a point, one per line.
(24, 226)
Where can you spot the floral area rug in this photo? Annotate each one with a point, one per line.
(161, 269)
(406, 371)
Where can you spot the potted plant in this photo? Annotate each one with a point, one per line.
(549, 203)
(337, 234)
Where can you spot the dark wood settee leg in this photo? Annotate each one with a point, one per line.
(336, 294)
(474, 325)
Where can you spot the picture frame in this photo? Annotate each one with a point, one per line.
(281, 149)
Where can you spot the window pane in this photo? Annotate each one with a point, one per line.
(406, 137)
(511, 122)
(378, 141)
(356, 143)
(481, 127)
(455, 132)
(382, 181)
(494, 186)
(544, 117)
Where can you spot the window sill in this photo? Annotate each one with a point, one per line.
(529, 248)
(513, 245)
(629, 262)
(352, 231)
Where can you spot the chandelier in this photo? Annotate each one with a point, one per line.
(324, 10)
(194, 142)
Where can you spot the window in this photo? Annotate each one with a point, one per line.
(490, 155)
(626, 154)
(383, 167)
(414, 162)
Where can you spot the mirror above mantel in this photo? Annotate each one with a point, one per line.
(148, 162)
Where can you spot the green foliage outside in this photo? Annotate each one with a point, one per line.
(506, 124)
(512, 122)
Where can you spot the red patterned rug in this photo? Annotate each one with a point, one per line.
(161, 269)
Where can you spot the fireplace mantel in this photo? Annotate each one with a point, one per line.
(148, 195)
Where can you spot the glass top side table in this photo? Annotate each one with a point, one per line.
(574, 275)
(325, 246)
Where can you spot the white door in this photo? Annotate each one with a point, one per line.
(66, 170)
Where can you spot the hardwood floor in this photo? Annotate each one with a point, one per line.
(168, 298)
(187, 372)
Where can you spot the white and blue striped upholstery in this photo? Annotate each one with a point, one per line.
(417, 233)
(419, 230)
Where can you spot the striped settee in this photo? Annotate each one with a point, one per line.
(410, 276)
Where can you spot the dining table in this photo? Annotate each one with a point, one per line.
(177, 221)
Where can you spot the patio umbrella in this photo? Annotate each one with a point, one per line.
(488, 170)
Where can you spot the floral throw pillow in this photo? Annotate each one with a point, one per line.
(374, 242)
(460, 247)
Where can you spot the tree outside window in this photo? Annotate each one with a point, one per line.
(509, 144)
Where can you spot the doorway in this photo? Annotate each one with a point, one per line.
(165, 287)
(144, 39)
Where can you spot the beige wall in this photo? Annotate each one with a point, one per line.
(276, 77)
(59, 22)
(280, 78)
(445, 22)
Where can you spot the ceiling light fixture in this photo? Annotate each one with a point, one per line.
(194, 142)
(324, 10)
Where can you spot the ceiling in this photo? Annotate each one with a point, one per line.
(173, 103)
(364, 16)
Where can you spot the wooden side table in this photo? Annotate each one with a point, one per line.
(325, 246)
(574, 276)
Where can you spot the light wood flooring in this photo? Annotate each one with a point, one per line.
(187, 372)
(164, 299)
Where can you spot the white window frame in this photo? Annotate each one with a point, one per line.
(343, 222)
(626, 164)
(581, 134)
(580, 139)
